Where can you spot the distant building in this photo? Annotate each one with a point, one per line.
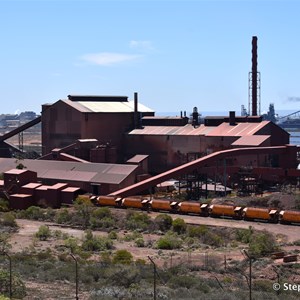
(171, 146)
(105, 118)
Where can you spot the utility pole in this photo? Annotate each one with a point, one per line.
(10, 275)
(154, 278)
(76, 275)
(250, 273)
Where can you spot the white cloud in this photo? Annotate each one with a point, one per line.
(142, 45)
(109, 58)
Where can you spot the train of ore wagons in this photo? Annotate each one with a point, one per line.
(201, 209)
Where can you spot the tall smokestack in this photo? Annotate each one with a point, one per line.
(135, 114)
(254, 76)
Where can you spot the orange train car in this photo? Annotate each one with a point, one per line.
(108, 201)
(254, 213)
(218, 210)
(133, 202)
(289, 216)
(188, 207)
(163, 205)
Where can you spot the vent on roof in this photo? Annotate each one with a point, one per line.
(98, 98)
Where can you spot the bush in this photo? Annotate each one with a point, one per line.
(122, 257)
(262, 244)
(163, 222)
(113, 235)
(4, 244)
(4, 205)
(72, 244)
(63, 217)
(169, 241)
(133, 236)
(92, 243)
(179, 226)
(137, 221)
(139, 242)
(18, 287)
(102, 212)
(9, 220)
(33, 213)
(43, 233)
(244, 235)
(197, 231)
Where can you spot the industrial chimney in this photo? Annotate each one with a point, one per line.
(195, 117)
(254, 82)
(254, 76)
(135, 113)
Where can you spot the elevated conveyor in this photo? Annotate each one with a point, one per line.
(20, 129)
(287, 151)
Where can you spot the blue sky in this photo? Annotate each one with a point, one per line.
(175, 54)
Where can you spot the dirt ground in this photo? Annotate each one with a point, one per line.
(24, 239)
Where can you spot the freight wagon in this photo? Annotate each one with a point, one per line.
(201, 209)
(289, 216)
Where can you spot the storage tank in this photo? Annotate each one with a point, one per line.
(193, 208)
(254, 213)
(289, 216)
(108, 201)
(132, 202)
(218, 210)
(167, 205)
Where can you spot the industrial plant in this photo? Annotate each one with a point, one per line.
(110, 145)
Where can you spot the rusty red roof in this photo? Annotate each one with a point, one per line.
(73, 171)
(240, 129)
(188, 129)
(71, 189)
(137, 159)
(252, 140)
(32, 185)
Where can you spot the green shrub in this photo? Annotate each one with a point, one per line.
(133, 236)
(262, 244)
(163, 222)
(33, 213)
(4, 244)
(104, 223)
(43, 233)
(137, 221)
(18, 287)
(244, 235)
(102, 212)
(179, 226)
(197, 231)
(4, 205)
(113, 235)
(9, 220)
(63, 216)
(122, 257)
(169, 241)
(139, 242)
(98, 243)
(72, 244)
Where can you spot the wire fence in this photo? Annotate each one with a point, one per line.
(175, 275)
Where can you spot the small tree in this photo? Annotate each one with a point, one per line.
(122, 257)
(179, 226)
(9, 220)
(164, 222)
(43, 233)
